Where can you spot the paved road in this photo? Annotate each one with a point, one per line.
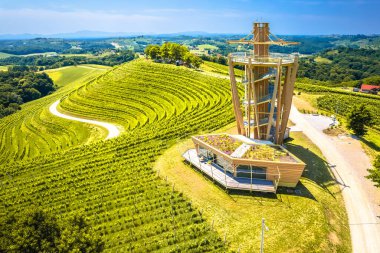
(113, 131)
(361, 198)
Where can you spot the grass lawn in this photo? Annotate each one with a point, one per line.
(305, 101)
(320, 59)
(313, 219)
(207, 47)
(80, 73)
(84, 55)
(371, 142)
(3, 68)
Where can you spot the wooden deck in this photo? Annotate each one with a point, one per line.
(227, 180)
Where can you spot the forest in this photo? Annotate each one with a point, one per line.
(341, 67)
(19, 85)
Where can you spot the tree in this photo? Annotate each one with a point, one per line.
(77, 236)
(196, 61)
(152, 51)
(165, 51)
(358, 117)
(30, 94)
(177, 51)
(374, 174)
(36, 231)
(188, 58)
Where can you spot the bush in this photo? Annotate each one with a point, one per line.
(374, 174)
(358, 118)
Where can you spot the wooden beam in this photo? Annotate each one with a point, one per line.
(288, 99)
(252, 82)
(286, 83)
(235, 98)
(249, 91)
(279, 107)
(273, 101)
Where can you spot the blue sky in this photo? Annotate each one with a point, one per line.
(169, 16)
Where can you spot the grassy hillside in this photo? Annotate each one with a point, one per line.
(33, 131)
(113, 181)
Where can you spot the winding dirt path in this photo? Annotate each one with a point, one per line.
(113, 131)
(349, 164)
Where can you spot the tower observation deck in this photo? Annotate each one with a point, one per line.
(268, 85)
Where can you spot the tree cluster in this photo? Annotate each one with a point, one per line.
(358, 118)
(19, 85)
(40, 62)
(173, 53)
(217, 59)
(37, 231)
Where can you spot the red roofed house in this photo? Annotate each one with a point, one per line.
(367, 88)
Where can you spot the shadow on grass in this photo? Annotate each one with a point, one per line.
(368, 143)
(317, 170)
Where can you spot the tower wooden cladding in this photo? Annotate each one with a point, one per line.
(268, 86)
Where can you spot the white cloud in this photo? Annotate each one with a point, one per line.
(52, 21)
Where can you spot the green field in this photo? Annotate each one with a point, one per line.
(67, 75)
(207, 47)
(65, 167)
(3, 68)
(4, 55)
(320, 59)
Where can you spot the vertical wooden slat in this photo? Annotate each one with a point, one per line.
(255, 103)
(249, 99)
(288, 99)
(235, 98)
(279, 108)
(272, 103)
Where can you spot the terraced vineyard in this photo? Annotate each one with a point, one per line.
(113, 181)
(33, 131)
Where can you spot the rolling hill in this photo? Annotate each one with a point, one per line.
(65, 167)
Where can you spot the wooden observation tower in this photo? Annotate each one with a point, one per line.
(269, 83)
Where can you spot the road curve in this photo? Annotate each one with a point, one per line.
(360, 196)
(113, 131)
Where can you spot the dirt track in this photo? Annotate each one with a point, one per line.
(349, 164)
(113, 131)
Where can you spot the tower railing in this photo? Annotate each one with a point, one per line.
(244, 57)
